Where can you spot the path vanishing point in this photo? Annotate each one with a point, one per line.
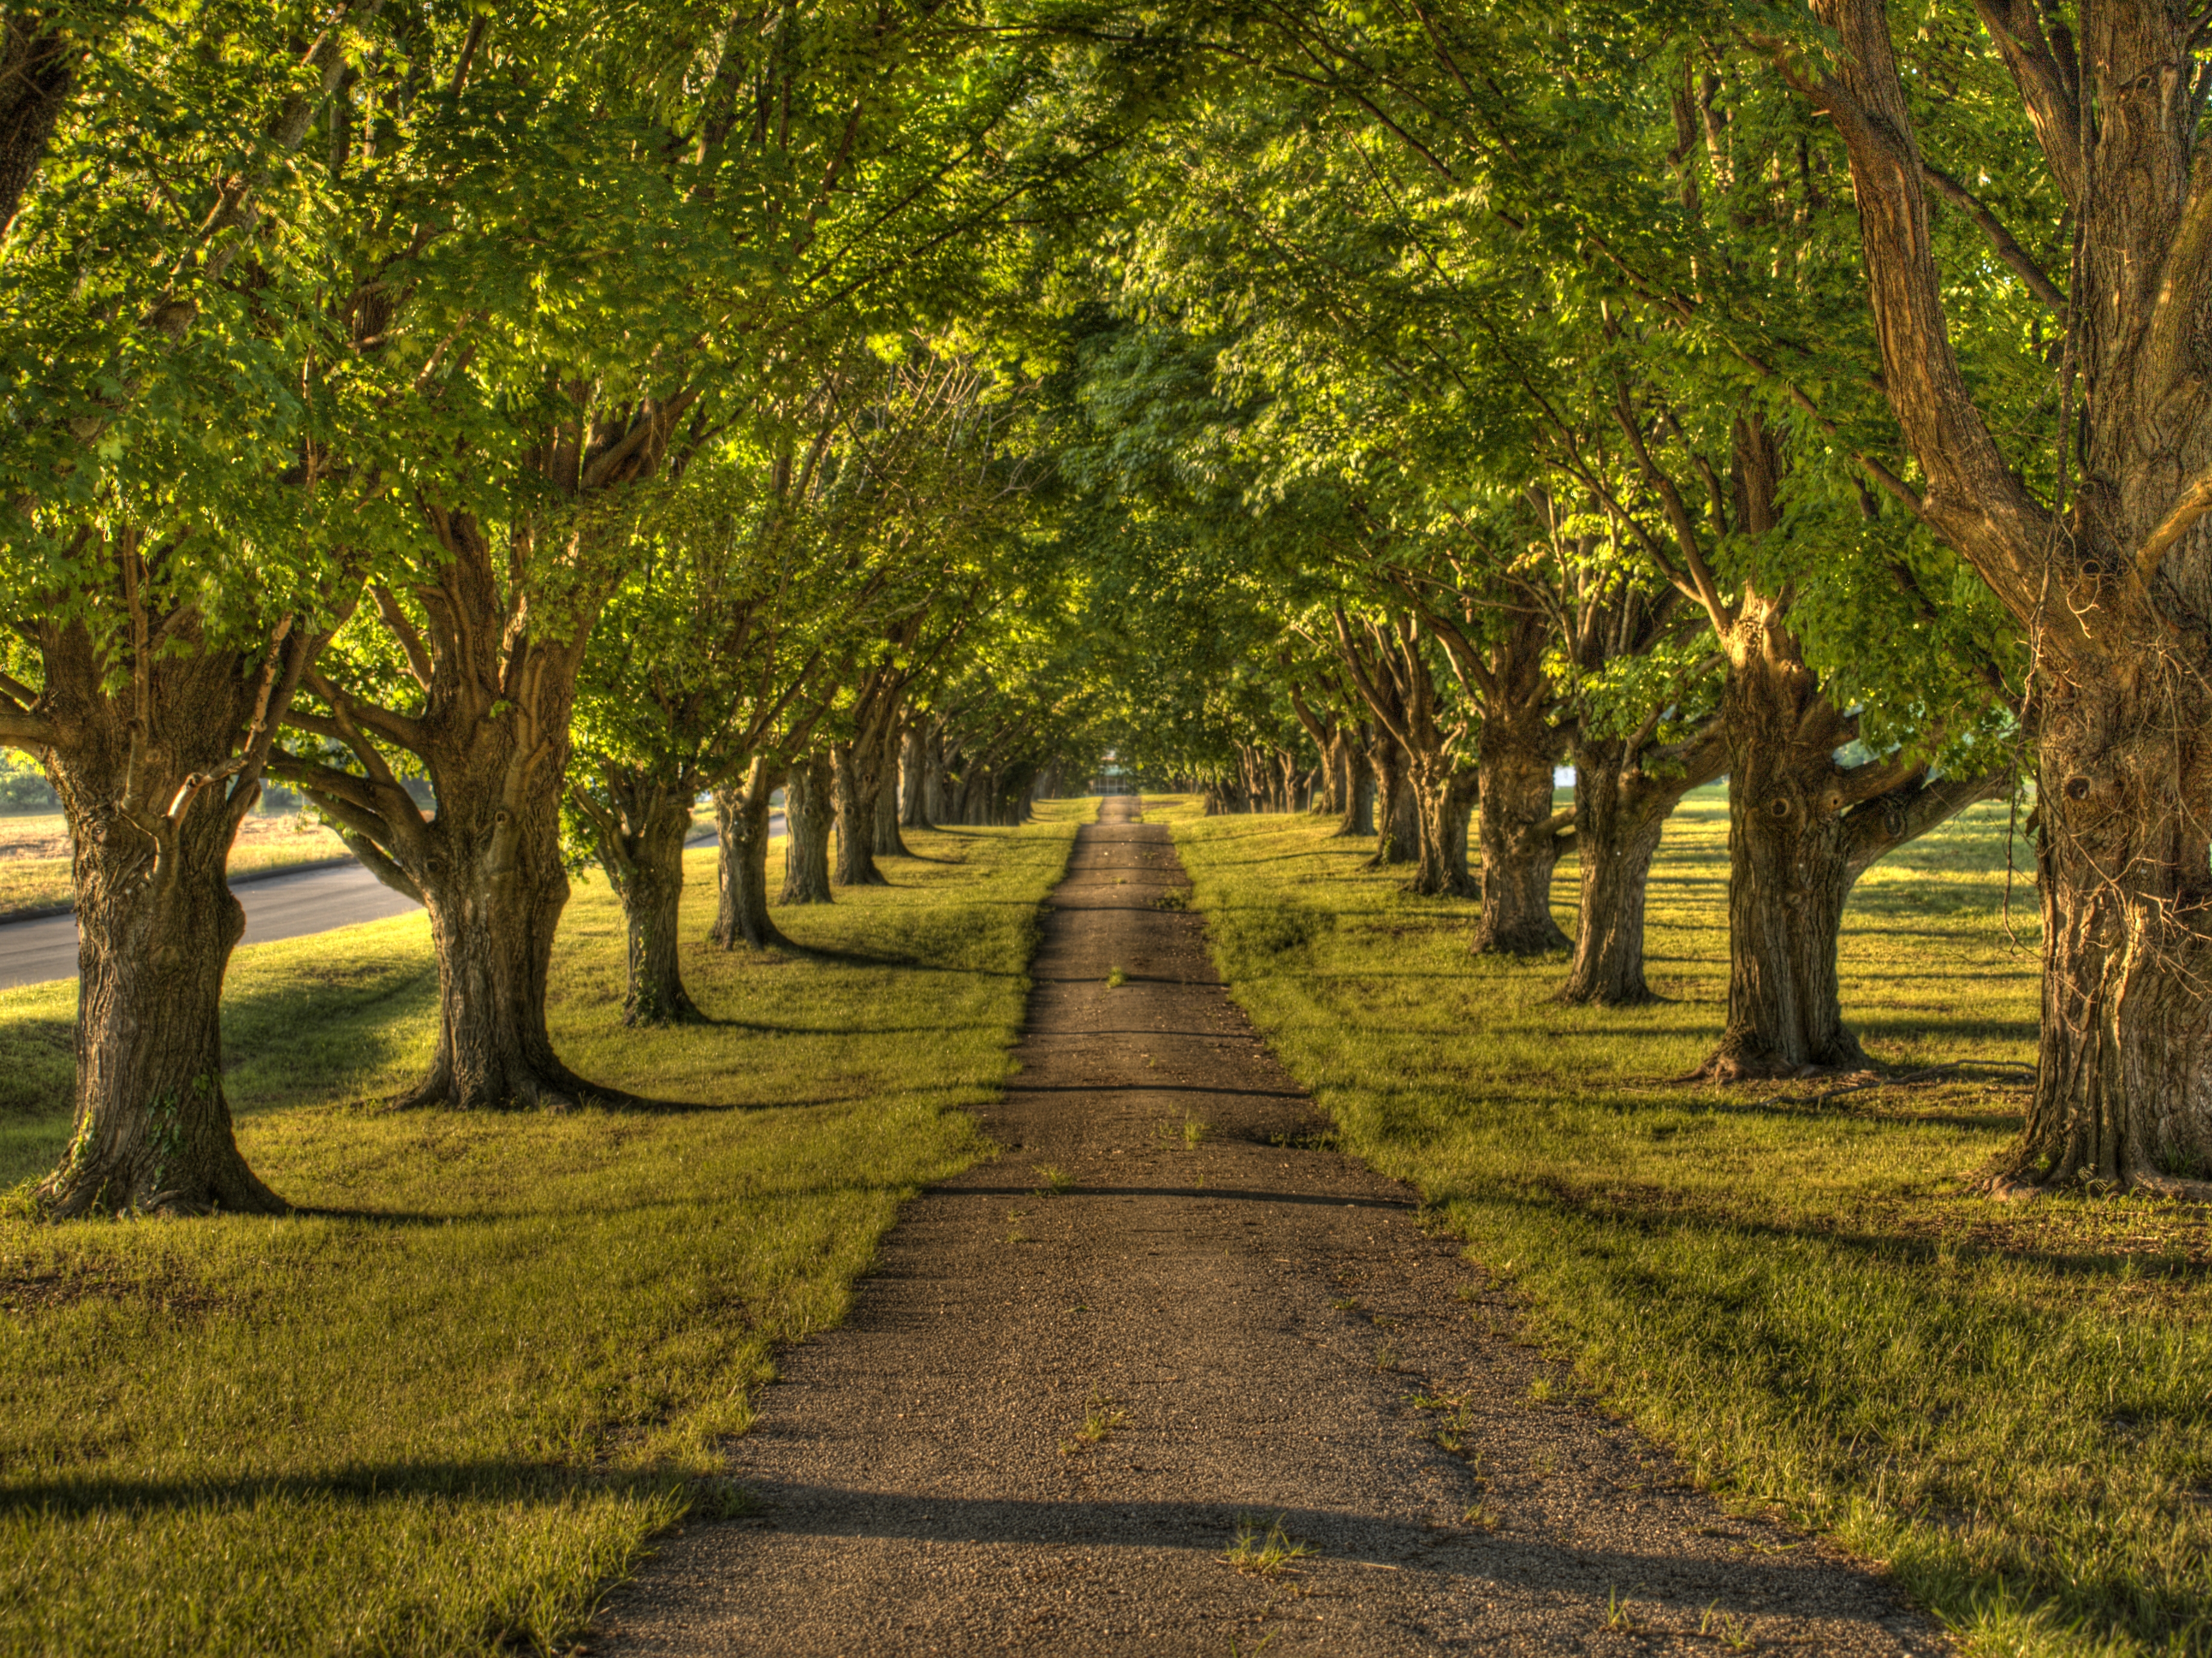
(1259, 1334)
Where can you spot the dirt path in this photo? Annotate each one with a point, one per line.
(1261, 1329)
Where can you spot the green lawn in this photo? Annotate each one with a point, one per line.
(2011, 1404)
(442, 1411)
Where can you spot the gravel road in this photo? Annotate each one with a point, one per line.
(1054, 1411)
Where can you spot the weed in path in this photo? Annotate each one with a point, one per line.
(1100, 1418)
(1056, 1180)
(1178, 899)
(1259, 1552)
(1540, 1390)
(1194, 1131)
(1387, 1357)
(1732, 1630)
(1115, 978)
(1617, 1618)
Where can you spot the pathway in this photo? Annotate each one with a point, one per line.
(1256, 1328)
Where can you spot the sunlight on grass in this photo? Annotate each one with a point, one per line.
(2011, 1406)
(442, 1409)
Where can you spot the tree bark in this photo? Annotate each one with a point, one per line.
(856, 781)
(1441, 792)
(638, 835)
(741, 835)
(153, 810)
(808, 809)
(1398, 824)
(1520, 846)
(915, 798)
(888, 843)
(1621, 808)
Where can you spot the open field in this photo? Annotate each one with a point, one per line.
(440, 1411)
(2011, 1406)
(34, 855)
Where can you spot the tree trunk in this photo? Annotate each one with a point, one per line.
(152, 822)
(741, 826)
(2124, 1084)
(857, 780)
(887, 841)
(809, 810)
(1621, 808)
(1442, 793)
(914, 799)
(638, 834)
(495, 886)
(1520, 846)
(1789, 862)
(1398, 824)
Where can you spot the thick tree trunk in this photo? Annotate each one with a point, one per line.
(155, 918)
(887, 841)
(495, 886)
(638, 835)
(1398, 824)
(1789, 864)
(914, 796)
(1520, 848)
(1621, 808)
(2123, 1084)
(1441, 794)
(741, 825)
(857, 780)
(809, 810)
(1350, 788)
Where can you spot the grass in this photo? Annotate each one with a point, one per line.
(442, 1412)
(1262, 1548)
(34, 855)
(2010, 1405)
(1101, 1417)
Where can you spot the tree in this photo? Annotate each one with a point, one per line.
(163, 518)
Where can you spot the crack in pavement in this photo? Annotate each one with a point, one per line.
(1083, 1367)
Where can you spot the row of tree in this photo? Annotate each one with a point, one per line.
(585, 411)
(495, 424)
(1818, 400)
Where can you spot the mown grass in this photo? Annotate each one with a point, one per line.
(34, 862)
(440, 1411)
(2009, 1404)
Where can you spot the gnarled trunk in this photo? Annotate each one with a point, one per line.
(857, 780)
(1789, 868)
(1520, 848)
(1443, 794)
(1354, 785)
(638, 835)
(2124, 1084)
(1397, 822)
(492, 878)
(914, 794)
(887, 841)
(741, 836)
(152, 821)
(808, 809)
(1621, 808)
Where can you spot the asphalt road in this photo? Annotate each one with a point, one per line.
(283, 907)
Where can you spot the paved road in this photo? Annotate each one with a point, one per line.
(283, 907)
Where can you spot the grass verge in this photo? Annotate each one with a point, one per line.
(442, 1413)
(2009, 1405)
